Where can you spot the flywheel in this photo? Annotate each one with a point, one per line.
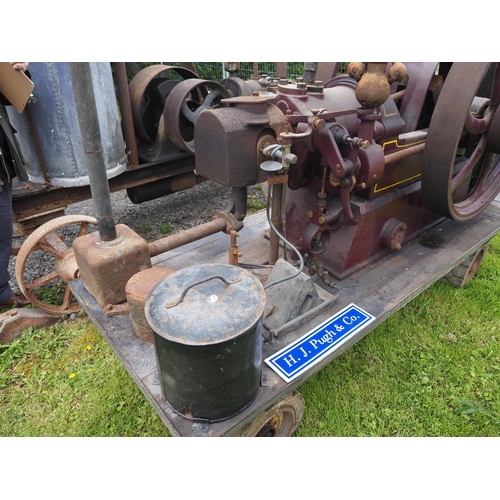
(461, 161)
(45, 263)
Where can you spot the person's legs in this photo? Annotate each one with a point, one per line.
(5, 240)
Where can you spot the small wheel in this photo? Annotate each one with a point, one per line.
(280, 420)
(460, 166)
(466, 270)
(49, 250)
(183, 106)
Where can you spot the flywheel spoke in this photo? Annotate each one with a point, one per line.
(469, 166)
(54, 245)
(42, 280)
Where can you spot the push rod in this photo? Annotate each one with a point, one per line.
(404, 153)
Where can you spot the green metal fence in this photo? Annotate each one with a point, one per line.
(215, 70)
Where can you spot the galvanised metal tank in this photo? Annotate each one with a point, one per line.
(55, 123)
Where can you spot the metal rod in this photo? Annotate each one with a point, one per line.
(86, 109)
(120, 72)
(274, 240)
(239, 196)
(187, 236)
(404, 153)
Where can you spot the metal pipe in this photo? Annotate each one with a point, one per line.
(310, 70)
(239, 208)
(120, 72)
(187, 236)
(274, 240)
(86, 109)
(404, 153)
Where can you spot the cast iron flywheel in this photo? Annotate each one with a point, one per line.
(48, 255)
(461, 161)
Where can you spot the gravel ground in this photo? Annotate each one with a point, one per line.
(153, 219)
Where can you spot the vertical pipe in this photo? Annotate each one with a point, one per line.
(83, 90)
(276, 202)
(239, 196)
(310, 70)
(281, 70)
(126, 111)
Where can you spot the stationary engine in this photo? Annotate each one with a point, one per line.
(370, 159)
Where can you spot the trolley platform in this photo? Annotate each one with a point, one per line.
(380, 289)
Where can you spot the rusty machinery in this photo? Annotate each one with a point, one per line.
(357, 165)
(369, 159)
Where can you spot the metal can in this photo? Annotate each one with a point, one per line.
(207, 332)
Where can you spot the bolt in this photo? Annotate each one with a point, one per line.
(319, 124)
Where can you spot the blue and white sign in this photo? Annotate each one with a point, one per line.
(308, 350)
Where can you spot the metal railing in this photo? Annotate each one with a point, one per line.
(215, 70)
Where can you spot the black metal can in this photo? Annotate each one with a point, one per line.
(207, 322)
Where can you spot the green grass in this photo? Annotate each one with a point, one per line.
(411, 374)
(143, 228)
(431, 369)
(66, 381)
(165, 228)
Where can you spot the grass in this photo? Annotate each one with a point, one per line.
(165, 228)
(431, 369)
(66, 381)
(411, 374)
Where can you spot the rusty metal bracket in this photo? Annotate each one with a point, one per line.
(234, 253)
(233, 224)
(111, 310)
(278, 179)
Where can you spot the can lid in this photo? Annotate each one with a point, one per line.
(205, 304)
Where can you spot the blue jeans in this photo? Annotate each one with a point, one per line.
(6, 221)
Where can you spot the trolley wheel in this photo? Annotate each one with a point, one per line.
(280, 420)
(49, 249)
(460, 166)
(467, 269)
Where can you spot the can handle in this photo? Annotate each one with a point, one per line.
(186, 290)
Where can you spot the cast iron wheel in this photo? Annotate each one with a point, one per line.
(466, 270)
(50, 248)
(461, 167)
(280, 420)
(149, 90)
(185, 103)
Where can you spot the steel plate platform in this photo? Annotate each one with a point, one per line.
(380, 289)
